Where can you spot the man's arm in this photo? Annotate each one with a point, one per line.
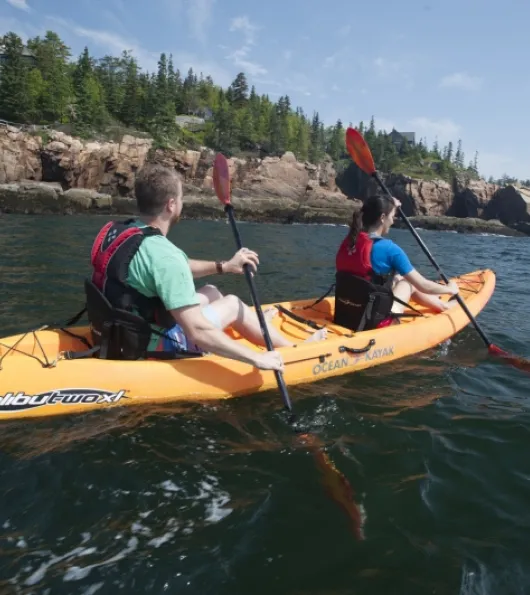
(209, 338)
(202, 268)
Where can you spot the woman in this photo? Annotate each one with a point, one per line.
(384, 269)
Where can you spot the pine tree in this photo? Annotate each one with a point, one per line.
(449, 154)
(130, 109)
(52, 60)
(15, 96)
(459, 155)
(239, 88)
(90, 109)
(336, 145)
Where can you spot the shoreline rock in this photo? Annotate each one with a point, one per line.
(469, 225)
(64, 175)
(46, 198)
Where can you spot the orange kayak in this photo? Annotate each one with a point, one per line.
(37, 381)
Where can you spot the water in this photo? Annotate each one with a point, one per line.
(221, 499)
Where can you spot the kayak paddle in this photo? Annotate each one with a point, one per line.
(221, 182)
(360, 153)
(335, 482)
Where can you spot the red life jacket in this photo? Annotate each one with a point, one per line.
(356, 260)
(363, 299)
(112, 252)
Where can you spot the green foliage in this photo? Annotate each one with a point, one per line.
(107, 95)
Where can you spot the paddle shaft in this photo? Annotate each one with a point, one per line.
(434, 263)
(229, 209)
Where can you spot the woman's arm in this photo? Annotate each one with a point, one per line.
(424, 285)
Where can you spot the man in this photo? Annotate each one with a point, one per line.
(137, 267)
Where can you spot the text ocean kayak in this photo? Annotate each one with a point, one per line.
(35, 381)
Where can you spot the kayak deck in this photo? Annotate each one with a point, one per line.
(36, 381)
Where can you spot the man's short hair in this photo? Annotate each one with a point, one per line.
(155, 184)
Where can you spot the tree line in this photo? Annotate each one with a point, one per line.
(40, 83)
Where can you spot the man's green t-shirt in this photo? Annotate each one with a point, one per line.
(160, 269)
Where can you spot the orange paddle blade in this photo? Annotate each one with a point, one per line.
(335, 483)
(221, 178)
(360, 151)
(514, 360)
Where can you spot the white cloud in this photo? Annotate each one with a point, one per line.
(344, 31)
(386, 67)
(461, 80)
(23, 30)
(249, 29)
(148, 60)
(239, 57)
(330, 61)
(200, 16)
(268, 82)
(497, 164)
(444, 130)
(110, 42)
(21, 4)
(393, 69)
(384, 124)
(287, 55)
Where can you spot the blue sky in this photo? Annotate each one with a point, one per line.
(452, 69)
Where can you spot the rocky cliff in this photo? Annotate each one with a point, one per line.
(65, 174)
(46, 176)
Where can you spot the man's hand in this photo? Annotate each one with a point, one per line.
(452, 288)
(240, 258)
(271, 360)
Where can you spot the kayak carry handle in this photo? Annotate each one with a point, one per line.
(343, 348)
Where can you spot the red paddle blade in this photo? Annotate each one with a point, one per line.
(360, 151)
(221, 178)
(514, 360)
(335, 483)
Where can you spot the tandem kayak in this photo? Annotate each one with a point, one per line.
(37, 381)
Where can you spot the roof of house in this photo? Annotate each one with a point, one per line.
(189, 120)
(408, 136)
(25, 52)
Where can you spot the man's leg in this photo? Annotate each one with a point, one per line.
(208, 294)
(231, 311)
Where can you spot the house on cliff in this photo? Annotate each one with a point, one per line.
(402, 138)
(27, 55)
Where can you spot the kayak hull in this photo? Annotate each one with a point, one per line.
(35, 380)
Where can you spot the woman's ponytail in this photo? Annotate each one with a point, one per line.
(355, 226)
(369, 214)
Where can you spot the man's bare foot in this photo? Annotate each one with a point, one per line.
(319, 335)
(270, 313)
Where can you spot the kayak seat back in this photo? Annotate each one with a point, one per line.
(360, 304)
(120, 334)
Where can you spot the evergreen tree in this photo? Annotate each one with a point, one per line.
(52, 56)
(133, 92)
(239, 89)
(15, 96)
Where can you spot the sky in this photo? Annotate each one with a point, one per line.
(457, 69)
